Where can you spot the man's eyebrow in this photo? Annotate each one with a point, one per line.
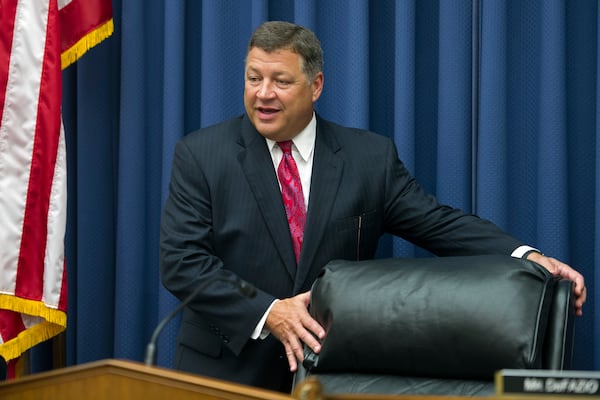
(275, 73)
(279, 74)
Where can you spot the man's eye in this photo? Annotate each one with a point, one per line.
(282, 83)
(253, 79)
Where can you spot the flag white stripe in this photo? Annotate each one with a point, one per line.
(17, 131)
(57, 220)
(63, 3)
(31, 320)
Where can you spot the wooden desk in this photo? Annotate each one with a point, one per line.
(119, 379)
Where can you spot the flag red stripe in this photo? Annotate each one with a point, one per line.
(7, 16)
(11, 324)
(84, 16)
(30, 271)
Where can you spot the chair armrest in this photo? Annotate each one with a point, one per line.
(558, 345)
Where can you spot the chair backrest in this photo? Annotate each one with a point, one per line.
(437, 325)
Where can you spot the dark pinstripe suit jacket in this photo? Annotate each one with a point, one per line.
(224, 216)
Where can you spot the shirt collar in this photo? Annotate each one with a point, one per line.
(304, 141)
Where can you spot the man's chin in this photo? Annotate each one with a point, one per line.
(269, 131)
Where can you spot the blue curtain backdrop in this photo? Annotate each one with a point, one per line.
(493, 106)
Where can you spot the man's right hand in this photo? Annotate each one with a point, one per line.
(293, 326)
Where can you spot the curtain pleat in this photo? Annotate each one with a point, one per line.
(492, 140)
(453, 173)
(173, 123)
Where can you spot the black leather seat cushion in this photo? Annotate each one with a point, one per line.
(403, 385)
(448, 318)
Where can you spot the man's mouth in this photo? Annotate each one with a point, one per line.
(267, 114)
(267, 110)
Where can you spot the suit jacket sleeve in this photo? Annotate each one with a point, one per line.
(414, 214)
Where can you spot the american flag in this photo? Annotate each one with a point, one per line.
(38, 39)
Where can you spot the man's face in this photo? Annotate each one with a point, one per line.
(277, 95)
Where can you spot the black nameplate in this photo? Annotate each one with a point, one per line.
(523, 381)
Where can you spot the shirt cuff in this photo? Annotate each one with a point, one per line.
(259, 332)
(522, 251)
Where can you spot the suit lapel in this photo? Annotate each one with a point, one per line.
(257, 165)
(325, 180)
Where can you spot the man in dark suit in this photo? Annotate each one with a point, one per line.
(225, 218)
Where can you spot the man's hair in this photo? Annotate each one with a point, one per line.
(281, 35)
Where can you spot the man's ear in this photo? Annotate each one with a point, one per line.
(317, 86)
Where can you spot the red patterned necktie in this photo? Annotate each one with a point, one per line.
(293, 198)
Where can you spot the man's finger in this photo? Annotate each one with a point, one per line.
(291, 358)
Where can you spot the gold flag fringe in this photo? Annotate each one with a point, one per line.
(73, 53)
(54, 322)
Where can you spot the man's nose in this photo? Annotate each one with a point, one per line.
(266, 89)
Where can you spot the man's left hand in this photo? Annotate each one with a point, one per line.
(558, 268)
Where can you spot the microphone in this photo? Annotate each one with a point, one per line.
(245, 288)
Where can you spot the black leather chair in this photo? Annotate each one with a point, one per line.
(439, 326)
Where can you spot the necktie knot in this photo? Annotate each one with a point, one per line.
(286, 146)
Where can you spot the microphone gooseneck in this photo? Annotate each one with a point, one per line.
(245, 288)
